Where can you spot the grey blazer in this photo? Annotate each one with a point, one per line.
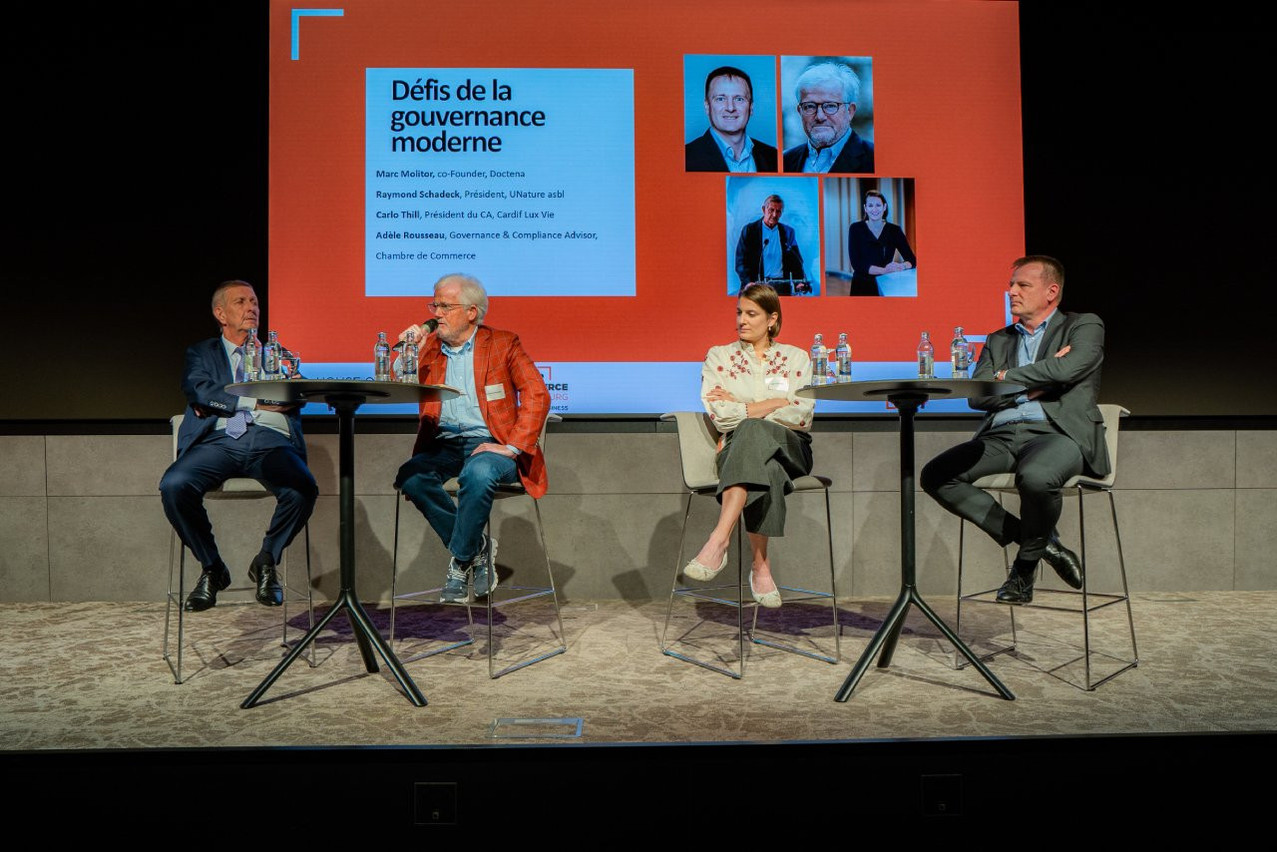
(1071, 383)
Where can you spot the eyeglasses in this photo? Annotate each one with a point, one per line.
(830, 107)
(443, 307)
(737, 101)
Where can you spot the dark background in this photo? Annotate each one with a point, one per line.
(138, 170)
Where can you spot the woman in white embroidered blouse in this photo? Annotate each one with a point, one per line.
(748, 389)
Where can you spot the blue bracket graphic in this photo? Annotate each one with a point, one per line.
(298, 14)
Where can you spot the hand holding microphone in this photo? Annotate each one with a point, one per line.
(426, 327)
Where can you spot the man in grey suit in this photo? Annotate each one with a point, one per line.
(1046, 434)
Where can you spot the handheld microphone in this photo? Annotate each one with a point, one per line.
(429, 325)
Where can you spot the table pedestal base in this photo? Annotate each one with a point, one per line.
(907, 403)
(885, 640)
(367, 637)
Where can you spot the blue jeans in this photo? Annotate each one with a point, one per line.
(460, 525)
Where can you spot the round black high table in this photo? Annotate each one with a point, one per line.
(344, 396)
(907, 395)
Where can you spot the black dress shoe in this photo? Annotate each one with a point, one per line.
(262, 572)
(1018, 589)
(204, 595)
(1064, 561)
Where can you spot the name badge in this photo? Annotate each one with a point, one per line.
(779, 384)
(494, 392)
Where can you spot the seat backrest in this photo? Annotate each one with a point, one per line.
(176, 422)
(1113, 415)
(697, 448)
(549, 418)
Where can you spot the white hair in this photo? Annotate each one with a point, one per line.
(829, 72)
(472, 292)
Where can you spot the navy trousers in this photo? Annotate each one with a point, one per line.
(261, 454)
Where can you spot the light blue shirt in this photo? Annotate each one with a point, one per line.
(771, 252)
(746, 161)
(1026, 410)
(270, 419)
(823, 160)
(460, 415)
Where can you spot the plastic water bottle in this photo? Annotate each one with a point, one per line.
(960, 355)
(381, 358)
(843, 354)
(819, 361)
(270, 356)
(408, 373)
(926, 358)
(252, 356)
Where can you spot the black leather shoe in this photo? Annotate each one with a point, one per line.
(204, 595)
(1018, 589)
(262, 572)
(1064, 561)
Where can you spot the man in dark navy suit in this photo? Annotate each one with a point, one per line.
(767, 251)
(224, 436)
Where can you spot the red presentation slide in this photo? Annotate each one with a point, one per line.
(615, 174)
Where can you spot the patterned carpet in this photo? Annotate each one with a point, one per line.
(90, 676)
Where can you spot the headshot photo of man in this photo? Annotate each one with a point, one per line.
(728, 104)
(830, 102)
(763, 248)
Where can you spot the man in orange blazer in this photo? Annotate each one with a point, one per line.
(486, 436)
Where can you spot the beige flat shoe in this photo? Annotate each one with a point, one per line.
(697, 571)
(770, 600)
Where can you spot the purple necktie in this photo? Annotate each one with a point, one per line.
(237, 425)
